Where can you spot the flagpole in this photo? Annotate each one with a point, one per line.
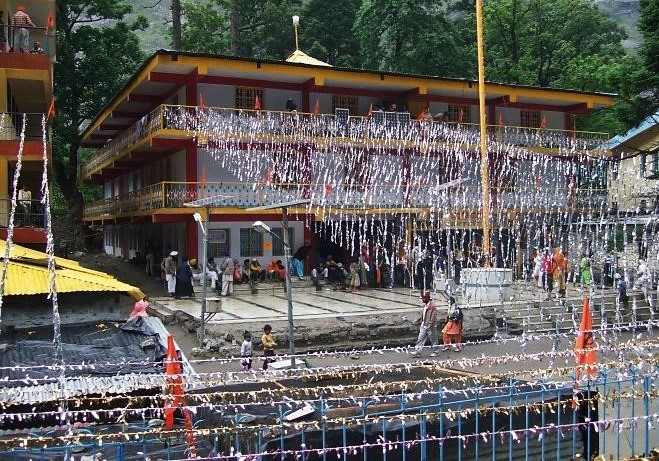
(485, 171)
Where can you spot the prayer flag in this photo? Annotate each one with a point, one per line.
(584, 348)
(316, 108)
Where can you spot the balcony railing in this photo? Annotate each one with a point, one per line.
(11, 124)
(41, 41)
(169, 195)
(381, 128)
(27, 214)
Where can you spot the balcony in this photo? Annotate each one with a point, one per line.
(32, 58)
(220, 127)
(165, 197)
(29, 216)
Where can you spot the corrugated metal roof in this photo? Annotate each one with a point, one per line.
(27, 274)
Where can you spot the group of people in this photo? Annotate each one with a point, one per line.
(549, 269)
(247, 348)
(19, 33)
(429, 321)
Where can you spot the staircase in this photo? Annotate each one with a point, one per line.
(564, 315)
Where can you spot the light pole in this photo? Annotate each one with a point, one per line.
(205, 203)
(261, 227)
(204, 251)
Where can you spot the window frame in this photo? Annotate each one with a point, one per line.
(278, 245)
(216, 247)
(244, 97)
(530, 118)
(345, 101)
(252, 244)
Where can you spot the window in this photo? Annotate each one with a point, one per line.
(643, 159)
(341, 101)
(459, 114)
(251, 242)
(246, 97)
(530, 118)
(218, 242)
(277, 245)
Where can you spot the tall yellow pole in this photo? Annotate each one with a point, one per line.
(485, 170)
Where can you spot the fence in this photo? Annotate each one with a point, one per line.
(615, 415)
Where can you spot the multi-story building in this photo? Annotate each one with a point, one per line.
(383, 157)
(27, 55)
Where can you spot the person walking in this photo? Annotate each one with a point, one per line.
(170, 273)
(621, 289)
(452, 331)
(227, 268)
(428, 327)
(269, 344)
(585, 273)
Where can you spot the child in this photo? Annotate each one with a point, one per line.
(246, 351)
(269, 345)
(452, 331)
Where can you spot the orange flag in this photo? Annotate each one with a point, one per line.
(461, 115)
(543, 123)
(257, 103)
(51, 109)
(422, 116)
(201, 101)
(50, 22)
(316, 108)
(370, 110)
(328, 189)
(500, 120)
(584, 348)
(176, 397)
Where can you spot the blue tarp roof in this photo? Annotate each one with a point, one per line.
(617, 141)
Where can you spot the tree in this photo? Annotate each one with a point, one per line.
(96, 53)
(326, 33)
(534, 42)
(205, 28)
(413, 36)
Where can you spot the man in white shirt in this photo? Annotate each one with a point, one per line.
(25, 201)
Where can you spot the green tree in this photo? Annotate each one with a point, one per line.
(96, 53)
(412, 36)
(205, 27)
(326, 33)
(534, 42)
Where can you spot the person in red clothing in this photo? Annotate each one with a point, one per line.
(548, 266)
(21, 23)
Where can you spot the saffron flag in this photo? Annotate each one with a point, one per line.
(176, 399)
(461, 115)
(328, 189)
(370, 110)
(584, 349)
(50, 22)
(257, 103)
(501, 121)
(543, 123)
(51, 109)
(316, 108)
(201, 101)
(422, 116)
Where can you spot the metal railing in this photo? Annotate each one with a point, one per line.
(614, 414)
(40, 41)
(242, 195)
(28, 213)
(231, 125)
(11, 124)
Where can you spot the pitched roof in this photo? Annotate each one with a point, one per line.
(27, 274)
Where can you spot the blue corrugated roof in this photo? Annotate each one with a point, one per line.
(617, 141)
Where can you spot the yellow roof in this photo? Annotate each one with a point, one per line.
(27, 274)
(300, 57)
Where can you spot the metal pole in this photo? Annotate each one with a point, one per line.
(204, 250)
(485, 172)
(287, 253)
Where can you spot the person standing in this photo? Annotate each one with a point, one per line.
(25, 201)
(149, 261)
(184, 279)
(452, 331)
(354, 276)
(269, 344)
(227, 268)
(585, 273)
(246, 351)
(621, 290)
(428, 328)
(170, 273)
(20, 23)
(3, 37)
(298, 260)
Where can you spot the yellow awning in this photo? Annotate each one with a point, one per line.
(27, 274)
